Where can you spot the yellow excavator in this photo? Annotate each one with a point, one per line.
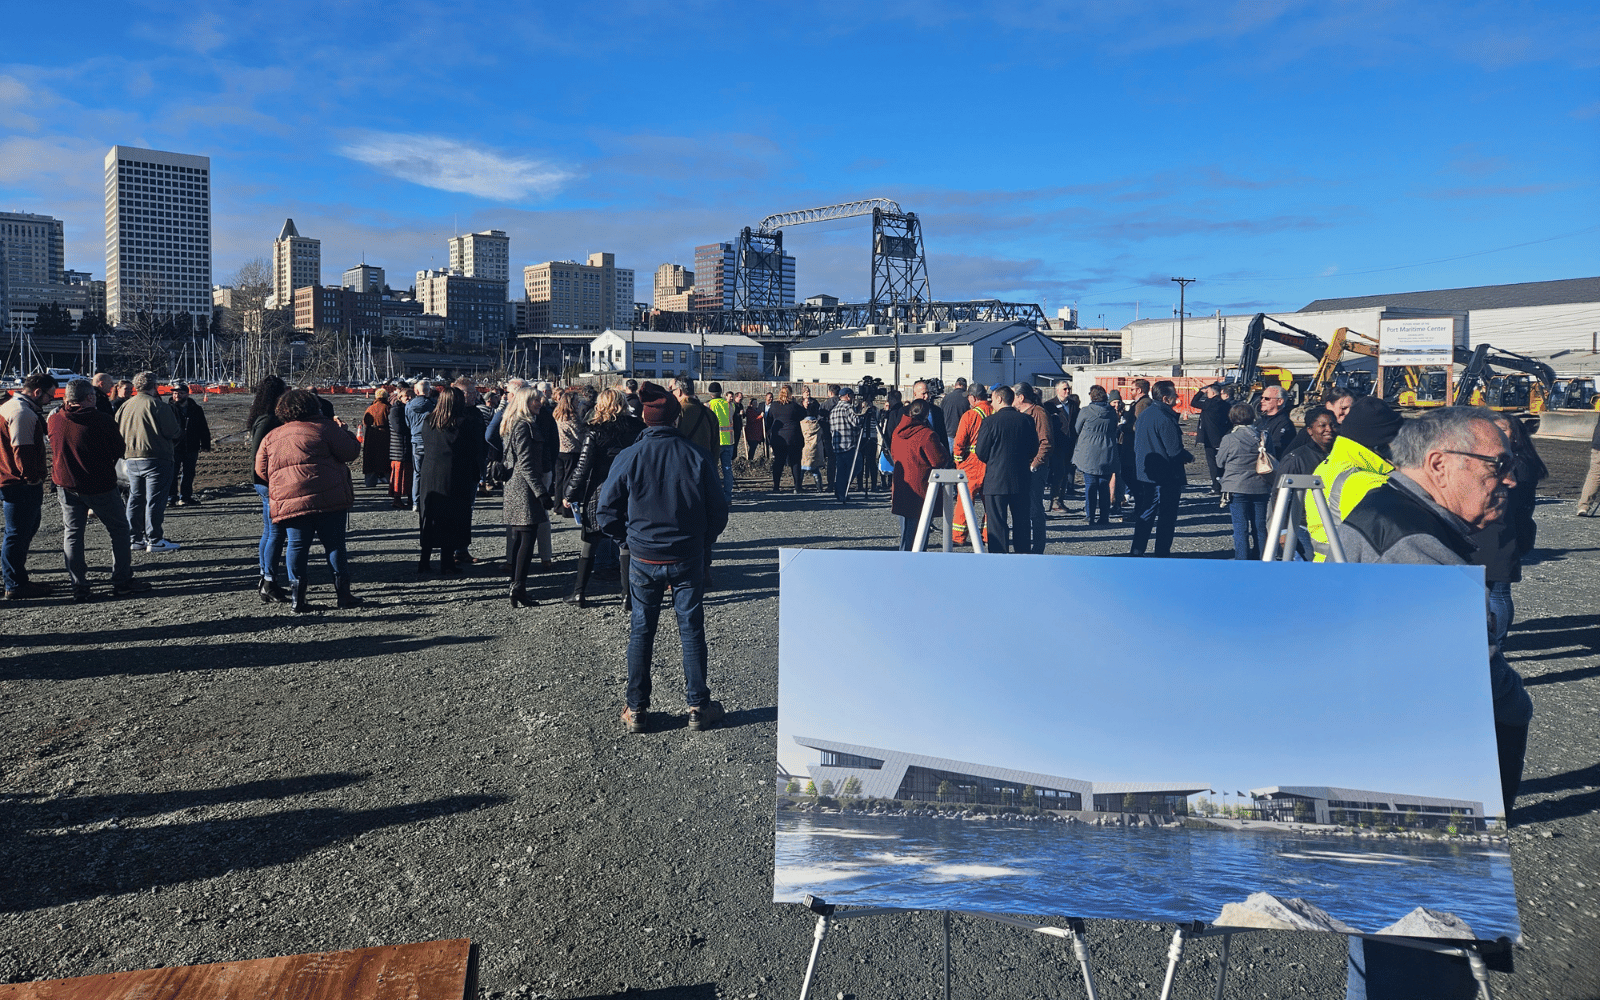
(1526, 386)
(1253, 377)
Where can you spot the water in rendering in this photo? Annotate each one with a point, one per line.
(1134, 873)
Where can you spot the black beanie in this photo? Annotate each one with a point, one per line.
(659, 407)
(1371, 423)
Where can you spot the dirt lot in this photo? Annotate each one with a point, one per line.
(195, 776)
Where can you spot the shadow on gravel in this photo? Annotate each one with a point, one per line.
(1537, 556)
(1550, 639)
(130, 651)
(73, 865)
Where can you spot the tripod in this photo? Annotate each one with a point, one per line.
(952, 483)
(1291, 489)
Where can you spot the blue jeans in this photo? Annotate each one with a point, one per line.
(272, 538)
(1249, 511)
(23, 506)
(726, 457)
(1096, 498)
(329, 528)
(647, 584)
(1505, 612)
(75, 508)
(148, 482)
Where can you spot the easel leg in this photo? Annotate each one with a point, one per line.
(1174, 954)
(1080, 951)
(1222, 971)
(816, 949)
(1480, 972)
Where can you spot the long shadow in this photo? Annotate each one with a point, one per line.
(1560, 676)
(699, 991)
(1583, 777)
(136, 638)
(1582, 804)
(116, 660)
(1537, 556)
(70, 866)
(1529, 641)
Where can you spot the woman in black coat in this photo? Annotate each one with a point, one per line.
(608, 430)
(400, 453)
(527, 498)
(452, 457)
(784, 436)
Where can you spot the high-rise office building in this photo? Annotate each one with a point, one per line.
(674, 288)
(296, 263)
(364, 278)
(567, 297)
(714, 277)
(482, 255)
(158, 233)
(33, 246)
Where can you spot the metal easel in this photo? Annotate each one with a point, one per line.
(827, 913)
(953, 484)
(1291, 489)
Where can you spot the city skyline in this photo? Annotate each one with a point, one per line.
(1113, 148)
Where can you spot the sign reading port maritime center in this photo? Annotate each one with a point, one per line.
(1426, 340)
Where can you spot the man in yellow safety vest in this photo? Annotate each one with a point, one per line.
(723, 411)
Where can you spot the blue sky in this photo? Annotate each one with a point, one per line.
(1236, 674)
(1277, 152)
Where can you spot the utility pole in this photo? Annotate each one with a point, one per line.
(1183, 285)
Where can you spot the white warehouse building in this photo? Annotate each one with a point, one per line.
(655, 355)
(984, 353)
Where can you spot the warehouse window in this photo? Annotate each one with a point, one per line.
(995, 354)
(946, 354)
(844, 357)
(871, 357)
(918, 356)
(822, 358)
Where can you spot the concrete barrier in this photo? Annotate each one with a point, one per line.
(1567, 425)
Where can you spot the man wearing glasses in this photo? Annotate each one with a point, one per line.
(1453, 470)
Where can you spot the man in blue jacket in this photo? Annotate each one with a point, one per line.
(1158, 457)
(663, 499)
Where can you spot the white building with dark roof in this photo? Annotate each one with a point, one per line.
(910, 777)
(1327, 804)
(653, 354)
(984, 353)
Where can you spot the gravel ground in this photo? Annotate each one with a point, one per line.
(196, 777)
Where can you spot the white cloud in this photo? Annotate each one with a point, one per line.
(448, 165)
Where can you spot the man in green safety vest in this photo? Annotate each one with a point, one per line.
(723, 411)
(1356, 465)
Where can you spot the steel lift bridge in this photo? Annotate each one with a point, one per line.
(899, 266)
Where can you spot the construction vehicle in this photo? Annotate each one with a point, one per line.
(1529, 389)
(1253, 378)
(1575, 394)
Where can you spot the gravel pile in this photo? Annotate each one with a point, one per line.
(197, 777)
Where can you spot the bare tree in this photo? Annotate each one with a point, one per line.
(254, 334)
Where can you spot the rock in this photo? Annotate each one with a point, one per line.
(1423, 922)
(1263, 909)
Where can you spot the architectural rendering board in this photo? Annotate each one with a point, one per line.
(1142, 739)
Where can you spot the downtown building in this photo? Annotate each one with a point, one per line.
(674, 289)
(473, 309)
(330, 308)
(296, 263)
(158, 234)
(33, 273)
(482, 255)
(364, 278)
(714, 279)
(568, 298)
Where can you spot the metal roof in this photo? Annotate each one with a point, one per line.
(1364, 795)
(1527, 293)
(850, 339)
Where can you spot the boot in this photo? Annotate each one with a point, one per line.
(272, 593)
(346, 600)
(300, 605)
(519, 595)
(627, 592)
(585, 565)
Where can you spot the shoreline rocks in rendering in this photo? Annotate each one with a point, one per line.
(1264, 910)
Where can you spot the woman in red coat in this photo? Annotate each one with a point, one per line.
(916, 451)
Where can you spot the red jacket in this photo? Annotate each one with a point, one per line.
(303, 463)
(916, 451)
(21, 441)
(84, 447)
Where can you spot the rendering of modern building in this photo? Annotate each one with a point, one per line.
(482, 255)
(979, 352)
(1351, 806)
(567, 297)
(158, 233)
(364, 278)
(656, 355)
(893, 774)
